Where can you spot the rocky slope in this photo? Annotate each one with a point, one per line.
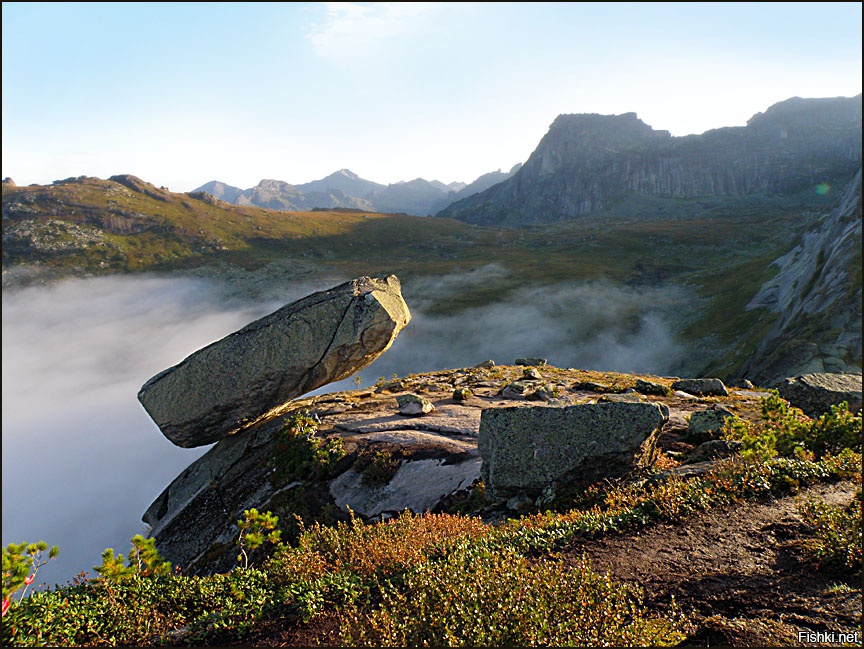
(815, 298)
(588, 162)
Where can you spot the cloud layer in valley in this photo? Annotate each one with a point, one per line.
(587, 325)
(81, 458)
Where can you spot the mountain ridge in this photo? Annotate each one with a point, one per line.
(345, 189)
(725, 247)
(588, 162)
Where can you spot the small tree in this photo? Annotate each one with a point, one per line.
(18, 560)
(256, 528)
(144, 561)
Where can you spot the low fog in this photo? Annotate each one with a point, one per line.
(81, 458)
(586, 325)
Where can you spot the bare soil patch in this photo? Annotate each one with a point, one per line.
(738, 572)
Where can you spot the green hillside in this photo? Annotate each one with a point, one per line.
(720, 249)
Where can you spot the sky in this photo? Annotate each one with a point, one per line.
(180, 94)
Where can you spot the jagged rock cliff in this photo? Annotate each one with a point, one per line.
(816, 296)
(587, 162)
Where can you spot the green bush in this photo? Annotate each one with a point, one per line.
(144, 561)
(301, 454)
(18, 560)
(256, 528)
(786, 431)
(837, 532)
(836, 430)
(377, 467)
(140, 610)
(477, 597)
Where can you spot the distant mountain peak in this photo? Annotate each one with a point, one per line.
(345, 189)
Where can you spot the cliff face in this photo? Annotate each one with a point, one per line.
(816, 299)
(587, 162)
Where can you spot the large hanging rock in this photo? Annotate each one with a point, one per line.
(525, 449)
(228, 385)
(816, 393)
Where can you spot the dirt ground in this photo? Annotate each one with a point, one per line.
(738, 572)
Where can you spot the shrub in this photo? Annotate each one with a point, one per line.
(788, 432)
(140, 610)
(144, 561)
(836, 430)
(477, 597)
(301, 454)
(377, 467)
(256, 528)
(380, 550)
(18, 560)
(837, 532)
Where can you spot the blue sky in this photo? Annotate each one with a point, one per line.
(184, 93)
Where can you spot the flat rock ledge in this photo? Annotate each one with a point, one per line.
(229, 385)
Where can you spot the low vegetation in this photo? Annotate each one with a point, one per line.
(445, 579)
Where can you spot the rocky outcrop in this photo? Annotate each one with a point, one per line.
(418, 485)
(815, 298)
(381, 462)
(228, 385)
(587, 162)
(816, 393)
(141, 186)
(707, 424)
(713, 449)
(413, 405)
(484, 182)
(527, 449)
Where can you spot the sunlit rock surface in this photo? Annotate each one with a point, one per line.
(525, 449)
(324, 337)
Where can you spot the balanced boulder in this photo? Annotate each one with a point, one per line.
(525, 449)
(234, 382)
